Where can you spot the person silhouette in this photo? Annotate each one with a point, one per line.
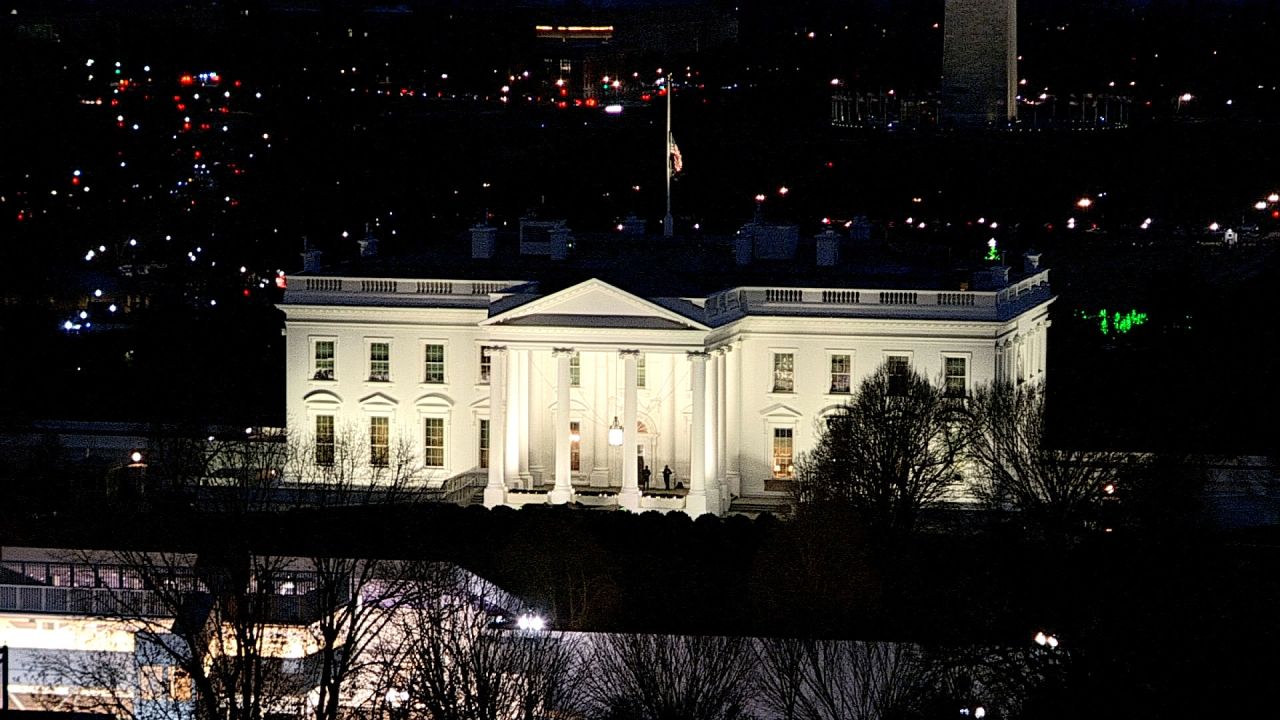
(645, 474)
(666, 476)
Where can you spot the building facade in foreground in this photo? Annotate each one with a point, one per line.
(568, 396)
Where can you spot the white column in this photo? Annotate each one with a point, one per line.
(733, 421)
(712, 432)
(563, 491)
(495, 492)
(722, 358)
(695, 503)
(629, 497)
(600, 426)
(511, 454)
(668, 429)
(526, 422)
(538, 442)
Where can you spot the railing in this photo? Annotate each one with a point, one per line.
(988, 304)
(106, 602)
(386, 286)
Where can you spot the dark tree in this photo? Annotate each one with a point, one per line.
(888, 453)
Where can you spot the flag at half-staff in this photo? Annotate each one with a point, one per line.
(677, 162)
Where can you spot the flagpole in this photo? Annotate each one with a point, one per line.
(667, 225)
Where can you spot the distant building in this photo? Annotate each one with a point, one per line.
(979, 63)
(565, 395)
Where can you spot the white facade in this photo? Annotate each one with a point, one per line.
(723, 390)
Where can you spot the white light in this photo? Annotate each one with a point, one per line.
(83, 315)
(531, 622)
(89, 255)
(1186, 97)
(88, 63)
(1052, 641)
(76, 173)
(613, 109)
(213, 302)
(979, 712)
(258, 95)
(97, 293)
(1213, 227)
(991, 243)
(146, 68)
(111, 307)
(136, 456)
(1273, 197)
(615, 433)
(67, 325)
(1040, 638)
(1260, 205)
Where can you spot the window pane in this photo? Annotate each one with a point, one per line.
(485, 365)
(955, 376)
(433, 442)
(575, 370)
(379, 441)
(640, 371)
(484, 443)
(783, 372)
(840, 369)
(782, 452)
(434, 364)
(899, 367)
(380, 361)
(324, 440)
(575, 446)
(324, 360)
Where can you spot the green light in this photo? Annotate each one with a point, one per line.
(1119, 323)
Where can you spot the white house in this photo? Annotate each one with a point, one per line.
(566, 396)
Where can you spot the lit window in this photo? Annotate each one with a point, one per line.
(323, 360)
(640, 372)
(486, 364)
(784, 374)
(324, 440)
(379, 362)
(783, 452)
(484, 443)
(433, 442)
(575, 370)
(433, 364)
(899, 367)
(379, 441)
(841, 365)
(956, 378)
(575, 446)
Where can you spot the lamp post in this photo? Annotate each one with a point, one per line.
(4, 678)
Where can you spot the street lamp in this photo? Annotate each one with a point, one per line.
(615, 433)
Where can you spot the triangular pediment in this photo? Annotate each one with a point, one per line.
(595, 303)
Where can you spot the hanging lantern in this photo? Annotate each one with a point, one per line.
(615, 433)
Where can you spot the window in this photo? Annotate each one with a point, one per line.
(640, 372)
(955, 378)
(783, 452)
(324, 365)
(485, 366)
(433, 364)
(433, 442)
(575, 370)
(784, 374)
(575, 446)
(324, 440)
(379, 441)
(841, 365)
(484, 442)
(899, 367)
(379, 361)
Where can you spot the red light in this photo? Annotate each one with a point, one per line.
(646, 97)
(186, 80)
(564, 92)
(591, 102)
(1275, 213)
(236, 83)
(204, 126)
(198, 154)
(114, 102)
(577, 102)
(177, 98)
(182, 106)
(75, 181)
(21, 216)
(282, 282)
(224, 109)
(562, 104)
(245, 292)
(186, 126)
(662, 92)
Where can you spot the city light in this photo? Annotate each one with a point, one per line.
(1084, 203)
